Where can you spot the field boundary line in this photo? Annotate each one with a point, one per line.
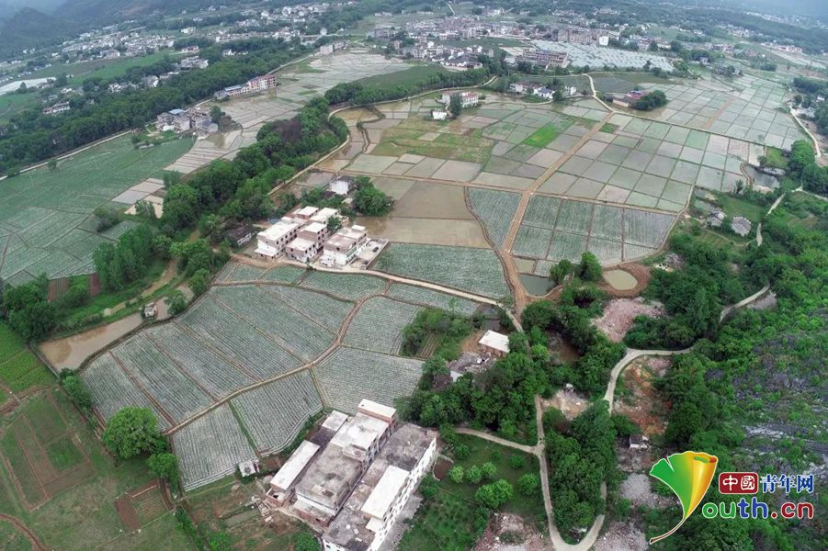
(178, 366)
(197, 338)
(300, 313)
(151, 398)
(258, 330)
(37, 544)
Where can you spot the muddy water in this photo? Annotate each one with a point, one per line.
(620, 279)
(70, 352)
(566, 352)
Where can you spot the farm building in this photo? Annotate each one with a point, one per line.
(494, 343)
(256, 84)
(439, 115)
(355, 485)
(341, 185)
(239, 236)
(467, 99)
(629, 99)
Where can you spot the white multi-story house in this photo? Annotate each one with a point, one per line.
(344, 246)
(272, 242)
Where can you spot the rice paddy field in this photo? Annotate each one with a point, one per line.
(749, 110)
(554, 229)
(45, 216)
(239, 374)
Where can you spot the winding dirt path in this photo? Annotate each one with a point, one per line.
(36, 543)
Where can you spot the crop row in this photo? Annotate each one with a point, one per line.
(347, 286)
(210, 448)
(112, 390)
(324, 310)
(433, 298)
(159, 377)
(209, 369)
(275, 413)
(474, 270)
(293, 331)
(350, 375)
(237, 339)
(496, 209)
(379, 324)
(646, 228)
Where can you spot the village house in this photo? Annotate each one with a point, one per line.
(193, 63)
(57, 109)
(272, 242)
(467, 99)
(494, 343)
(356, 476)
(439, 114)
(308, 242)
(256, 84)
(239, 236)
(344, 246)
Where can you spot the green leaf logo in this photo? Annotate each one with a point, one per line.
(688, 474)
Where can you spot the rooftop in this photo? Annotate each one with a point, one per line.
(297, 462)
(495, 340)
(384, 493)
(278, 230)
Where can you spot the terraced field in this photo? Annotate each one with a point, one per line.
(231, 378)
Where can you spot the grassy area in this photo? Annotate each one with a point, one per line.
(19, 368)
(82, 515)
(11, 538)
(738, 207)
(405, 138)
(609, 128)
(12, 104)
(102, 68)
(410, 77)
(775, 158)
(543, 136)
(446, 522)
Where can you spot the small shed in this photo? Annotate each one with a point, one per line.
(494, 343)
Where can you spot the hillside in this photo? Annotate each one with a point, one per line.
(106, 11)
(30, 28)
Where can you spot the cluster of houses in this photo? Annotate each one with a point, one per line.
(254, 85)
(331, 47)
(185, 120)
(539, 90)
(629, 99)
(308, 233)
(354, 476)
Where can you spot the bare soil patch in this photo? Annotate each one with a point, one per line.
(510, 532)
(571, 403)
(639, 399)
(619, 315)
(622, 535)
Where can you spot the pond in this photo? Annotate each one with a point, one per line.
(536, 285)
(620, 279)
(762, 179)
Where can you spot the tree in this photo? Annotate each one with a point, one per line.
(456, 474)
(199, 281)
(216, 114)
(78, 392)
(561, 271)
(369, 200)
(558, 96)
(589, 269)
(528, 484)
(176, 302)
(489, 471)
(27, 309)
(474, 475)
(165, 466)
(494, 495)
(52, 164)
(334, 224)
(455, 105)
(131, 432)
